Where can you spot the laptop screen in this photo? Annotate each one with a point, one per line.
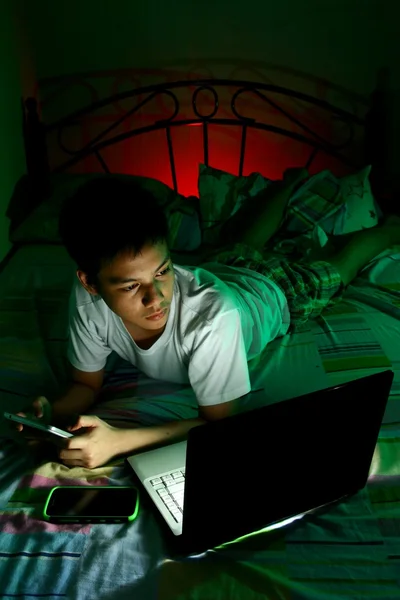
(269, 464)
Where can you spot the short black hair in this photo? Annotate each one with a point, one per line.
(106, 217)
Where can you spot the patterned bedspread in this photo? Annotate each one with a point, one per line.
(351, 551)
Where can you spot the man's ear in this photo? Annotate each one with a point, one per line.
(83, 278)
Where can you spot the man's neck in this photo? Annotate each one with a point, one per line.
(143, 337)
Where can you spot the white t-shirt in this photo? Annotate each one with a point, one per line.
(219, 318)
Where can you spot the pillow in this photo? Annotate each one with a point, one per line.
(360, 209)
(221, 195)
(337, 205)
(318, 200)
(41, 226)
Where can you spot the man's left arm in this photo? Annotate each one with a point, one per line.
(218, 411)
(218, 373)
(173, 431)
(101, 442)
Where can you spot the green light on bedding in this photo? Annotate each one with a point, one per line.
(264, 530)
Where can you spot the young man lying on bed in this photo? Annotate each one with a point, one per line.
(178, 324)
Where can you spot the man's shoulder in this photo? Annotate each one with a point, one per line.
(203, 293)
(83, 302)
(198, 277)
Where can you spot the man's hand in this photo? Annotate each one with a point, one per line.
(40, 409)
(93, 448)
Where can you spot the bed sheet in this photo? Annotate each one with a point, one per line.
(352, 551)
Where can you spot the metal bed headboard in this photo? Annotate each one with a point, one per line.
(36, 132)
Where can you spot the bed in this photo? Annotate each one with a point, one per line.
(352, 550)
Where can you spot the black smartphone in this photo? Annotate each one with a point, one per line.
(37, 425)
(91, 504)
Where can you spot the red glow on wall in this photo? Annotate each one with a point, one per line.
(147, 154)
(266, 153)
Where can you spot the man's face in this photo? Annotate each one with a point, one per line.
(139, 289)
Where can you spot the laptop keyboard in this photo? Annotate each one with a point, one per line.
(170, 488)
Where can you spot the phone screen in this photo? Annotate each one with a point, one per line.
(38, 426)
(92, 502)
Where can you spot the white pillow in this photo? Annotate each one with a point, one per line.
(221, 194)
(360, 209)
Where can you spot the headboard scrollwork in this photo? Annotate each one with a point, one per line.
(227, 104)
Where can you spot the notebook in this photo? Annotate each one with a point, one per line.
(266, 466)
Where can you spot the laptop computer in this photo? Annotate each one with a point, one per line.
(265, 466)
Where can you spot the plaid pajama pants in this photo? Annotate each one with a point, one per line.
(309, 288)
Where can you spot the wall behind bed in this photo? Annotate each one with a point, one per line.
(330, 49)
(12, 160)
(340, 41)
